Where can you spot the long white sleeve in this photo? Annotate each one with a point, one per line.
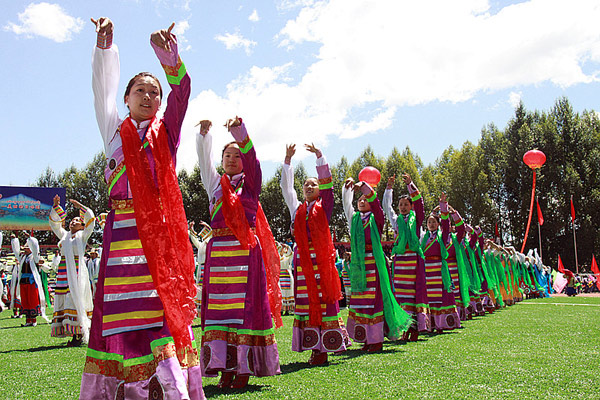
(16, 248)
(208, 172)
(389, 209)
(56, 223)
(347, 196)
(287, 188)
(34, 246)
(105, 83)
(89, 221)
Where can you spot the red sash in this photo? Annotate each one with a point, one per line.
(331, 290)
(235, 218)
(162, 226)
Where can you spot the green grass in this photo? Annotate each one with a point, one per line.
(537, 350)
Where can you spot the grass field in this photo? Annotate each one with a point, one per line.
(538, 349)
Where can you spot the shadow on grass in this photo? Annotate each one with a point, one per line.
(214, 391)
(12, 327)
(35, 349)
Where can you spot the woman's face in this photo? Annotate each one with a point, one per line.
(432, 224)
(404, 206)
(310, 189)
(232, 160)
(76, 225)
(363, 204)
(143, 99)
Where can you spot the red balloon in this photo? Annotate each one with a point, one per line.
(370, 175)
(534, 159)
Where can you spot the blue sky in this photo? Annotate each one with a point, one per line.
(340, 73)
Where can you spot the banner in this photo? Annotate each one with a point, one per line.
(596, 271)
(27, 208)
(559, 281)
(561, 267)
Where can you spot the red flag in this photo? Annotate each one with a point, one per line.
(497, 232)
(539, 213)
(561, 267)
(596, 271)
(572, 210)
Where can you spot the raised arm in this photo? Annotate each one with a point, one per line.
(388, 207)
(208, 172)
(252, 171)
(105, 80)
(324, 179)
(57, 217)
(417, 199)
(164, 44)
(287, 181)
(347, 197)
(88, 219)
(444, 216)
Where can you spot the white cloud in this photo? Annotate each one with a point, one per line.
(46, 20)
(179, 31)
(236, 40)
(514, 98)
(379, 55)
(254, 16)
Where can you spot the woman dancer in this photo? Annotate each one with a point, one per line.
(240, 290)
(439, 283)
(317, 324)
(72, 293)
(408, 266)
(141, 342)
(373, 307)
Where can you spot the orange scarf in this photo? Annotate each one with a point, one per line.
(162, 226)
(331, 290)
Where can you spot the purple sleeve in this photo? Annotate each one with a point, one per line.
(375, 204)
(252, 171)
(418, 204)
(472, 240)
(177, 101)
(460, 226)
(325, 189)
(445, 217)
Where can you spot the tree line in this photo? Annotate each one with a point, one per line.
(487, 182)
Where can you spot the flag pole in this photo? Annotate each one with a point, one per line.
(539, 230)
(574, 239)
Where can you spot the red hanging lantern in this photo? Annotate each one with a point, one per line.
(534, 159)
(370, 175)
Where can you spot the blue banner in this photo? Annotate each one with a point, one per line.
(27, 208)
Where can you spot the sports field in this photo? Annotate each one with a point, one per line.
(537, 349)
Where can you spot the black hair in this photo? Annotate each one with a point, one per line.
(407, 197)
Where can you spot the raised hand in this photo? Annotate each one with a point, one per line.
(163, 38)
(311, 148)
(407, 179)
(56, 200)
(76, 203)
(443, 198)
(205, 126)
(231, 123)
(104, 26)
(290, 150)
(349, 184)
(390, 182)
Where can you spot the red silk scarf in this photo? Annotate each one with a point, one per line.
(162, 226)
(331, 290)
(235, 219)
